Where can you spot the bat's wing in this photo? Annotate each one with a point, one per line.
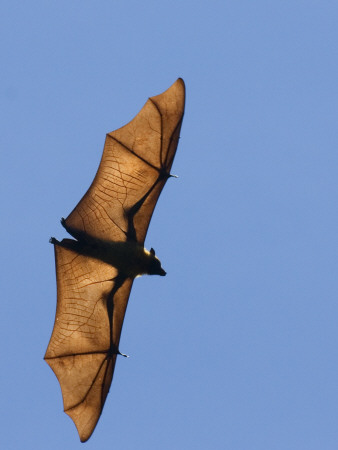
(81, 352)
(92, 296)
(135, 165)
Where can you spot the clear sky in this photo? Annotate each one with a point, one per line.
(237, 347)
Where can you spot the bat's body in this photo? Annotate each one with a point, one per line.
(129, 258)
(95, 271)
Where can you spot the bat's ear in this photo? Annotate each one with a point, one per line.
(152, 251)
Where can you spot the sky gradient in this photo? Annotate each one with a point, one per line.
(237, 347)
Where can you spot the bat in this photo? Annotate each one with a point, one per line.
(95, 270)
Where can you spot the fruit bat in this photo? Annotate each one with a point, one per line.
(95, 270)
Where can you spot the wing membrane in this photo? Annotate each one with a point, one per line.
(83, 345)
(135, 164)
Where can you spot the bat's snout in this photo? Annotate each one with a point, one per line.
(163, 273)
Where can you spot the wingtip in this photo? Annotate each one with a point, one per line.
(173, 98)
(83, 432)
(176, 89)
(179, 84)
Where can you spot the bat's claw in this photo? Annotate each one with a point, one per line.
(52, 240)
(122, 354)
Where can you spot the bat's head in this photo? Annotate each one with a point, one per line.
(155, 267)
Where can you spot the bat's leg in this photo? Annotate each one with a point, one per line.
(77, 234)
(67, 243)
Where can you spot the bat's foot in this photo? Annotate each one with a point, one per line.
(54, 241)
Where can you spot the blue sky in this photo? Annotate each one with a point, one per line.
(237, 347)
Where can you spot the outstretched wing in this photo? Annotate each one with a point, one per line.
(82, 349)
(135, 165)
(92, 296)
